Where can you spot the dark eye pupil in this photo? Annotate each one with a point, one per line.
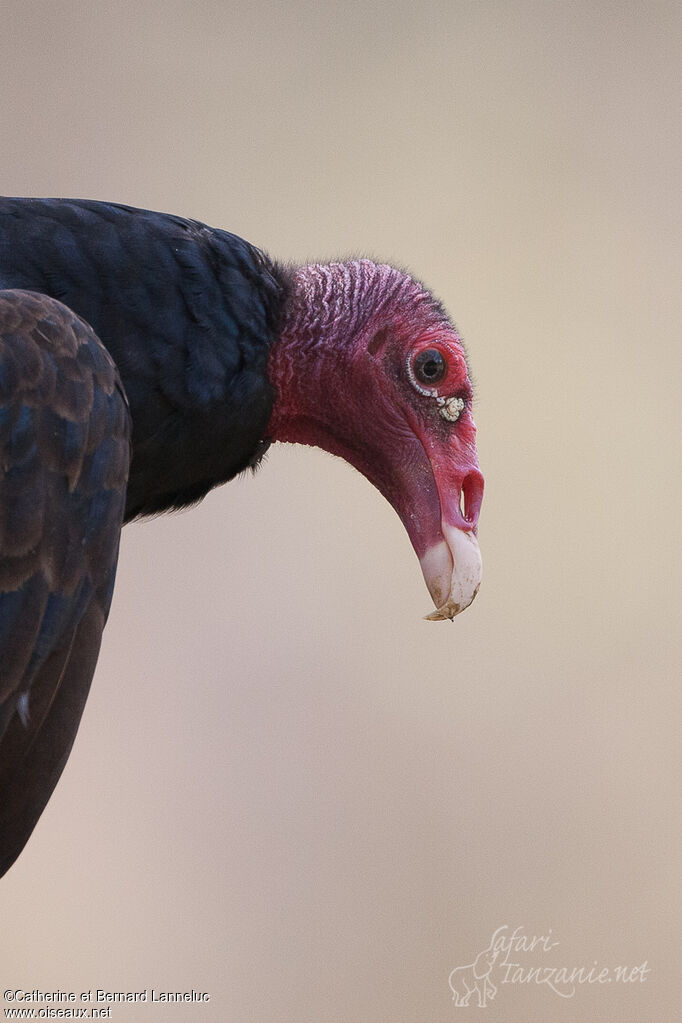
(429, 366)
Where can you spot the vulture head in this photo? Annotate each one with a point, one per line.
(368, 366)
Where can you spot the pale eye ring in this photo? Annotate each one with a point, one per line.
(430, 366)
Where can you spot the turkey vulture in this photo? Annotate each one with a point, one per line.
(144, 359)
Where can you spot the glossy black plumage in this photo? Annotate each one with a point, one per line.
(64, 454)
(186, 315)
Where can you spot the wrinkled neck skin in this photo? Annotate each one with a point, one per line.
(320, 366)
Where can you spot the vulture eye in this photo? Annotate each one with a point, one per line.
(430, 366)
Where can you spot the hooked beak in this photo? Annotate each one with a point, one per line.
(439, 507)
(452, 569)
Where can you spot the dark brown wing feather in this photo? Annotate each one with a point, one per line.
(64, 457)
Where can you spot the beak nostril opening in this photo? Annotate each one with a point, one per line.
(471, 497)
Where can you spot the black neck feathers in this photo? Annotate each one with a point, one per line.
(188, 314)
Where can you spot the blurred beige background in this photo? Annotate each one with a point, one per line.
(288, 790)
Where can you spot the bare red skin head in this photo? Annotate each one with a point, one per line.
(345, 378)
